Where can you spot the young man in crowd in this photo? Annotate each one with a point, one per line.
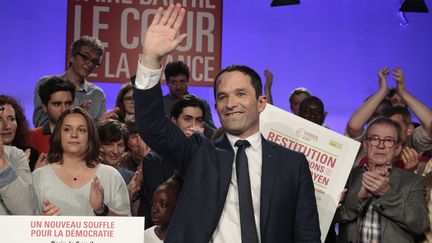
(177, 77)
(312, 109)
(56, 96)
(85, 56)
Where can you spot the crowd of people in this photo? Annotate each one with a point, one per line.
(162, 157)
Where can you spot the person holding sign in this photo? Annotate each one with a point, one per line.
(240, 188)
(74, 182)
(16, 190)
(383, 203)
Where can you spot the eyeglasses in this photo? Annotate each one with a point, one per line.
(88, 59)
(128, 99)
(375, 141)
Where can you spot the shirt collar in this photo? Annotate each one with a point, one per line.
(254, 140)
(84, 85)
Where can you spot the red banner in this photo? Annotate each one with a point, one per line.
(121, 25)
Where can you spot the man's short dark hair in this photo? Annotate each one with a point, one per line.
(382, 120)
(53, 85)
(312, 100)
(111, 131)
(87, 41)
(399, 110)
(175, 68)
(187, 101)
(255, 78)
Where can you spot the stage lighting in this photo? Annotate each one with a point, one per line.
(414, 6)
(284, 2)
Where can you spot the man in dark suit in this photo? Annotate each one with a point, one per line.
(214, 206)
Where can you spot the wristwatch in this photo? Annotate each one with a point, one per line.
(104, 212)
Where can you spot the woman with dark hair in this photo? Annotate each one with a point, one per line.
(16, 132)
(114, 139)
(74, 182)
(125, 102)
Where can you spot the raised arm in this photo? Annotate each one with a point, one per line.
(155, 129)
(422, 112)
(268, 86)
(361, 116)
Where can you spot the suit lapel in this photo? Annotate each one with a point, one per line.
(395, 180)
(268, 175)
(225, 162)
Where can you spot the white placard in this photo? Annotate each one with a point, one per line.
(71, 229)
(330, 156)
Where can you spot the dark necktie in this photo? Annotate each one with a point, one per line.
(247, 220)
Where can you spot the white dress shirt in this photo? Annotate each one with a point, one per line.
(228, 229)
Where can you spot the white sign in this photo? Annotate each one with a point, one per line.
(330, 156)
(71, 229)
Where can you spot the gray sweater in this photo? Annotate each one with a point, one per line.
(17, 195)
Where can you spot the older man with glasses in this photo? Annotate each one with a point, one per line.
(85, 56)
(17, 196)
(383, 203)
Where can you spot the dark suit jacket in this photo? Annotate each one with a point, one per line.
(402, 208)
(156, 170)
(288, 206)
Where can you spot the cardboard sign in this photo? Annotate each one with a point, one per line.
(121, 24)
(330, 156)
(71, 229)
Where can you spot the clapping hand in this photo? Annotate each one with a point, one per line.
(96, 195)
(382, 76)
(49, 209)
(376, 183)
(398, 75)
(410, 157)
(135, 184)
(192, 130)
